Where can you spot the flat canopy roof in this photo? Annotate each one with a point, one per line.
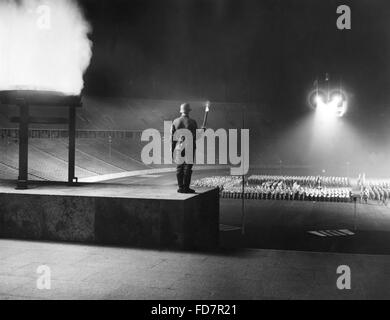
(39, 98)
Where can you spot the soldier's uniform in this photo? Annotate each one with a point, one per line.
(183, 170)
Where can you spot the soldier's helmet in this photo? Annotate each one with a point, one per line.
(185, 108)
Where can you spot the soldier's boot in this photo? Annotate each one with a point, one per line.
(187, 181)
(180, 181)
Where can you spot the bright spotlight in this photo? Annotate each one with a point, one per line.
(336, 99)
(339, 103)
(332, 105)
(318, 100)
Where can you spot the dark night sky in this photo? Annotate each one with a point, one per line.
(265, 51)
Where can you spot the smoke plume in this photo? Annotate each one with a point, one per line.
(44, 45)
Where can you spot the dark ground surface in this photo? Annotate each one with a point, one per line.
(80, 271)
(284, 225)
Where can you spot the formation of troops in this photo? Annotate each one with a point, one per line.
(310, 181)
(304, 188)
(222, 182)
(374, 189)
(266, 187)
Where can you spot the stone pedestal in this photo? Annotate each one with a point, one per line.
(112, 214)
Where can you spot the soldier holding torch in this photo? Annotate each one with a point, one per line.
(184, 169)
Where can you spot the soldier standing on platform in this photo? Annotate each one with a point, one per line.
(183, 170)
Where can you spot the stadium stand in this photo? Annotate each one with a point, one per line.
(58, 148)
(108, 136)
(7, 172)
(41, 164)
(135, 114)
(48, 157)
(108, 139)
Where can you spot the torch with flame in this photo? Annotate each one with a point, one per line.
(206, 113)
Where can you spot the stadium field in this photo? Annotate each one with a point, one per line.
(282, 224)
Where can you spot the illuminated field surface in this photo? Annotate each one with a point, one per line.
(282, 224)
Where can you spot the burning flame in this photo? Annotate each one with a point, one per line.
(44, 45)
(207, 109)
